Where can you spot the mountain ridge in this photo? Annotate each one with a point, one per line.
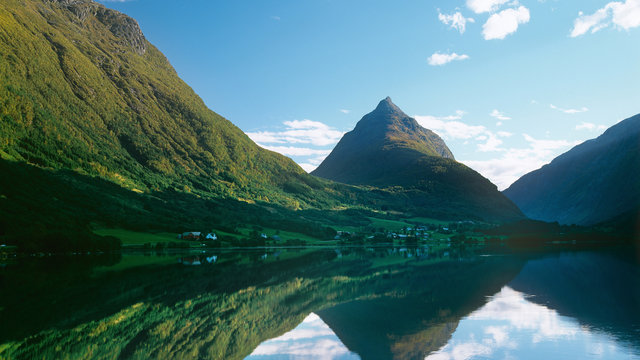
(386, 128)
(593, 182)
(113, 106)
(89, 105)
(389, 149)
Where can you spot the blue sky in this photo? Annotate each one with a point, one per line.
(508, 84)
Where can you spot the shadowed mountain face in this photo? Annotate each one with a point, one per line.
(594, 182)
(598, 289)
(383, 142)
(412, 324)
(389, 149)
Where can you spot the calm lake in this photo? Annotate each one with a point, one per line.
(344, 303)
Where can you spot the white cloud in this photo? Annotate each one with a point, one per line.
(499, 115)
(481, 6)
(624, 15)
(594, 22)
(299, 131)
(492, 144)
(312, 163)
(307, 167)
(449, 128)
(440, 59)
(455, 21)
(277, 18)
(506, 22)
(311, 133)
(589, 126)
(296, 151)
(345, 111)
(515, 162)
(569, 111)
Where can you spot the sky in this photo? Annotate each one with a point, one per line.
(509, 85)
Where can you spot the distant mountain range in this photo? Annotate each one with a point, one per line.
(596, 181)
(387, 148)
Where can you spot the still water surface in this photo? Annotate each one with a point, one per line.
(345, 303)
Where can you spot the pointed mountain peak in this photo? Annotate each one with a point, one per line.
(387, 106)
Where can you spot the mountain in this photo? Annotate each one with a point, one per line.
(83, 89)
(388, 149)
(596, 181)
(97, 129)
(387, 137)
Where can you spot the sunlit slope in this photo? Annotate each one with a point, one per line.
(81, 88)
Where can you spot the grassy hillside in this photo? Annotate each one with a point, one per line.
(82, 89)
(96, 127)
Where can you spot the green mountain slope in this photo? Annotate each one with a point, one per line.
(389, 149)
(595, 181)
(81, 88)
(97, 128)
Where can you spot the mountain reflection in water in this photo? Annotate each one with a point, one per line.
(597, 314)
(372, 303)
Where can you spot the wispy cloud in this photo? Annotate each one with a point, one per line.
(455, 21)
(589, 126)
(276, 18)
(451, 128)
(509, 163)
(624, 15)
(438, 58)
(505, 22)
(296, 151)
(300, 132)
(345, 111)
(593, 22)
(492, 143)
(499, 115)
(569, 111)
(482, 6)
(515, 162)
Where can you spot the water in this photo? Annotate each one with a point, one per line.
(345, 303)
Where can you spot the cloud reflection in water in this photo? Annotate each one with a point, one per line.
(312, 339)
(510, 326)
